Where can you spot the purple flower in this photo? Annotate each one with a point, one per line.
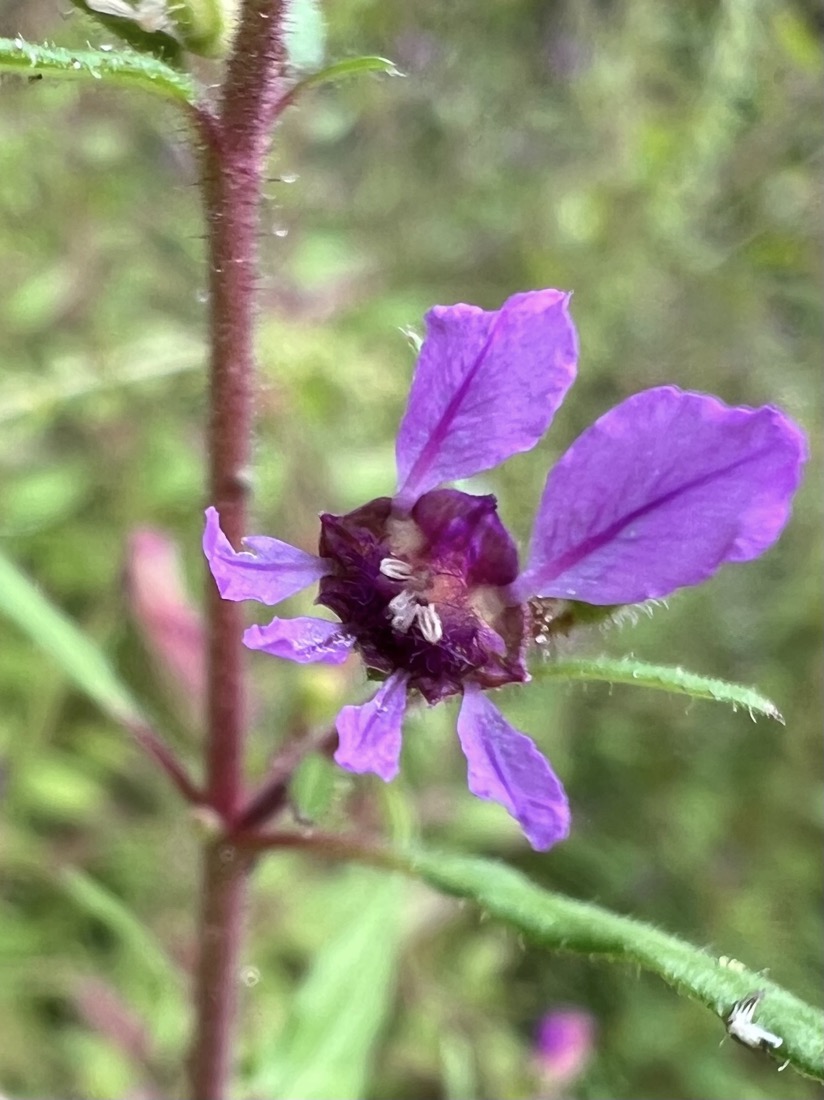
(657, 494)
(564, 1041)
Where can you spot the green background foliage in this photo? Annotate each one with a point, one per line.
(661, 160)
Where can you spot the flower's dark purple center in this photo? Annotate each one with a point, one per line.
(423, 592)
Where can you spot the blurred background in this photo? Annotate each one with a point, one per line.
(661, 160)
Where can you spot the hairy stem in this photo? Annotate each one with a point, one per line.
(564, 924)
(234, 151)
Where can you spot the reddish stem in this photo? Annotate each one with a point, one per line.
(273, 793)
(324, 845)
(160, 752)
(234, 151)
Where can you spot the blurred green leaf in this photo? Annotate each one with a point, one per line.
(155, 356)
(628, 670)
(458, 1067)
(560, 923)
(340, 1008)
(124, 67)
(58, 790)
(312, 787)
(304, 33)
(107, 908)
(75, 653)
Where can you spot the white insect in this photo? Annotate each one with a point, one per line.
(742, 1027)
(150, 15)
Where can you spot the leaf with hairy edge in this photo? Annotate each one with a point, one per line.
(157, 41)
(124, 67)
(628, 670)
(559, 923)
(344, 70)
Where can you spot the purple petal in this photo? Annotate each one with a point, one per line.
(486, 386)
(506, 767)
(273, 571)
(457, 523)
(370, 735)
(305, 640)
(659, 493)
(564, 1043)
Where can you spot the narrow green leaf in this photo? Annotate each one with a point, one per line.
(94, 899)
(628, 670)
(124, 67)
(75, 653)
(340, 1008)
(344, 70)
(559, 923)
(158, 356)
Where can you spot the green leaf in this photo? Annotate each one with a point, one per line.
(75, 653)
(628, 670)
(559, 923)
(94, 899)
(458, 1066)
(312, 787)
(344, 70)
(158, 355)
(158, 41)
(340, 1008)
(304, 34)
(167, 984)
(124, 67)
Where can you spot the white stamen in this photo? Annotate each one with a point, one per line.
(396, 569)
(430, 624)
(403, 610)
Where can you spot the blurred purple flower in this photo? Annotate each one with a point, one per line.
(168, 620)
(564, 1042)
(657, 494)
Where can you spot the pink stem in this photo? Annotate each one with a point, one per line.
(233, 158)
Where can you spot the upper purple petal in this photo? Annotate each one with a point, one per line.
(659, 493)
(272, 572)
(466, 526)
(305, 640)
(486, 386)
(370, 735)
(506, 767)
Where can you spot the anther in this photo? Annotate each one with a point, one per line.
(396, 569)
(430, 624)
(403, 610)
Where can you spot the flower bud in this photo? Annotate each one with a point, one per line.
(171, 627)
(204, 27)
(563, 1045)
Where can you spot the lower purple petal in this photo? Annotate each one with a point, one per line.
(370, 735)
(506, 767)
(273, 571)
(658, 494)
(306, 640)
